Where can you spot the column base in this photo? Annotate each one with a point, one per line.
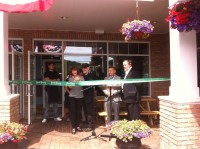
(9, 108)
(179, 124)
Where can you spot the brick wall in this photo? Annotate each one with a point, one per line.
(159, 53)
(179, 125)
(160, 64)
(9, 109)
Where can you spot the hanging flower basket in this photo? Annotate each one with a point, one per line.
(185, 16)
(137, 29)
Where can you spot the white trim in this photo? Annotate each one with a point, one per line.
(79, 40)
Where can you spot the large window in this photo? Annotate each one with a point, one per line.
(137, 52)
(101, 55)
(15, 45)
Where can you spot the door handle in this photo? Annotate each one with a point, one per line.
(28, 90)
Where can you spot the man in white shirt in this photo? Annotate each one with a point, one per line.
(112, 94)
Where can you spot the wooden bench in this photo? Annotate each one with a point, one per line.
(145, 110)
(124, 113)
(154, 114)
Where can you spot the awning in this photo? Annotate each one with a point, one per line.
(23, 6)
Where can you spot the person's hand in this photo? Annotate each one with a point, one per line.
(77, 78)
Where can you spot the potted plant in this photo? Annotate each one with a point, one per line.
(185, 16)
(137, 29)
(129, 133)
(11, 133)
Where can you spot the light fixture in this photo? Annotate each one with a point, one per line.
(154, 22)
(99, 31)
(64, 17)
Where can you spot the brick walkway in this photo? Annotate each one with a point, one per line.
(57, 135)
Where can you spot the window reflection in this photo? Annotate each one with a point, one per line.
(128, 48)
(133, 48)
(143, 48)
(123, 48)
(97, 47)
(113, 48)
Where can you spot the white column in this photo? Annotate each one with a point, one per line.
(183, 64)
(4, 80)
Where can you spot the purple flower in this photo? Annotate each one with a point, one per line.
(193, 19)
(130, 29)
(125, 130)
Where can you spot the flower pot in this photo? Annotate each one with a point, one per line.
(138, 35)
(9, 145)
(134, 144)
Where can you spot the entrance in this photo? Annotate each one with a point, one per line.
(58, 68)
(41, 61)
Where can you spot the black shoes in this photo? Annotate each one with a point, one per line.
(76, 129)
(79, 129)
(88, 129)
(73, 131)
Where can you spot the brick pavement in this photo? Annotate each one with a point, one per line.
(57, 135)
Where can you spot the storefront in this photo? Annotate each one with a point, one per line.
(65, 53)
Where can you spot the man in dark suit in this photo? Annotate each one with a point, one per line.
(131, 91)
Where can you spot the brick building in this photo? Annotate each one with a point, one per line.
(169, 55)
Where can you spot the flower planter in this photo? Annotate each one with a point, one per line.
(184, 16)
(134, 144)
(137, 29)
(9, 145)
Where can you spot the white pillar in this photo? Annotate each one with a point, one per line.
(183, 65)
(4, 79)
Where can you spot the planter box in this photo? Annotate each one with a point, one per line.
(9, 145)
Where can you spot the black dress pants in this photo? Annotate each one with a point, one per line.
(88, 107)
(133, 110)
(75, 111)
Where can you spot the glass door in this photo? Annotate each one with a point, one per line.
(17, 74)
(30, 89)
(59, 69)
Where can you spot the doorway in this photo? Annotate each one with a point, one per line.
(58, 68)
(42, 59)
